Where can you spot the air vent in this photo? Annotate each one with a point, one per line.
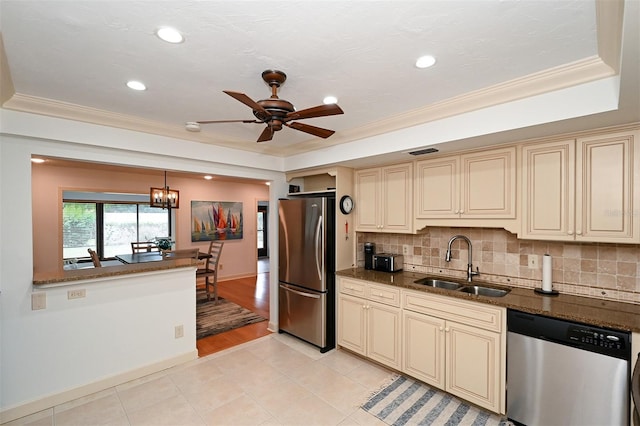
(424, 151)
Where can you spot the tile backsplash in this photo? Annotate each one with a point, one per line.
(607, 271)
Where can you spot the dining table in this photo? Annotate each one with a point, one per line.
(154, 256)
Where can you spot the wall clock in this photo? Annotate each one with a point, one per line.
(346, 204)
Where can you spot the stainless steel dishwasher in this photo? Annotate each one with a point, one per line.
(566, 373)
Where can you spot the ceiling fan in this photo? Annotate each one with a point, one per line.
(276, 112)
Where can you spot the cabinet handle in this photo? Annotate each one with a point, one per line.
(446, 329)
(578, 232)
(457, 212)
(569, 233)
(440, 328)
(461, 211)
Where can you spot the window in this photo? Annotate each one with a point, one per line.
(109, 228)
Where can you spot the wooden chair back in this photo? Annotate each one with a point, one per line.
(180, 254)
(144, 246)
(210, 270)
(94, 258)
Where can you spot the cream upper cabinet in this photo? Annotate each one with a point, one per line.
(582, 189)
(369, 320)
(478, 185)
(384, 199)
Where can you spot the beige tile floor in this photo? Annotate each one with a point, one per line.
(275, 380)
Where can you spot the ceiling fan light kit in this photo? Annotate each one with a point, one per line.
(276, 112)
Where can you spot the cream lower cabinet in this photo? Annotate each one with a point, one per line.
(456, 346)
(369, 320)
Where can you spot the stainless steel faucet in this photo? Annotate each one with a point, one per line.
(447, 257)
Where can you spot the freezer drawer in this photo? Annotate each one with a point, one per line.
(303, 313)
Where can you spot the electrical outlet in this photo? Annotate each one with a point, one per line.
(38, 301)
(533, 261)
(76, 294)
(219, 265)
(179, 331)
(405, 249)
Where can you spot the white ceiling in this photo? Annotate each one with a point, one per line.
(73, 58)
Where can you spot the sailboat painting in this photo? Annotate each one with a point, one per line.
(216, 220)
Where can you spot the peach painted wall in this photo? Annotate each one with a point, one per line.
(598, 270)
(239, 257)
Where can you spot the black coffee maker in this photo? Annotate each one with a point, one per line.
(369, 251)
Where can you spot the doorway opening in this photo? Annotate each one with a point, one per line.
(262, 227)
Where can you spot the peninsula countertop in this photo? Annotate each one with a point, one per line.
(598, 312)
(72, 275)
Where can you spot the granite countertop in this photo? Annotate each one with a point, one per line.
(69, 276)
(598, 312)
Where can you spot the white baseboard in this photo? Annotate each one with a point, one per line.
(12, 413)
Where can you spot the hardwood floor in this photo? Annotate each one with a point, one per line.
(251, 293)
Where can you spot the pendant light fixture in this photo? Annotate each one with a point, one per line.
(164, 197)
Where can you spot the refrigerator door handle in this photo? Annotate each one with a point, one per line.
(319, 248)
(300, 293)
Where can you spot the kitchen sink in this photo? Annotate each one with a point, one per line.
(484, 291)
(433, 282)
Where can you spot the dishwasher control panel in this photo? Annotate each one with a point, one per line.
(593, 337)
(615, 343)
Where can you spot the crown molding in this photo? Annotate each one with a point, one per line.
(579, 72)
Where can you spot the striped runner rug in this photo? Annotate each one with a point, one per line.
(408, 402)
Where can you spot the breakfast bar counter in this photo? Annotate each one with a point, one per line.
(599, 312)
(56, 278)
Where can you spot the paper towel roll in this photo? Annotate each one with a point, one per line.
(546, 273)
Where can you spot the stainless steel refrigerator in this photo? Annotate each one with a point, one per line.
(306, 270)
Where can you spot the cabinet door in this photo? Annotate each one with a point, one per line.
(383, 336)
(351, 323)
(368, 199)
(489, 184)
(606, 182)
(397, 198)
(548, 190)
(437, 188)
(473, 359)
(423, 348)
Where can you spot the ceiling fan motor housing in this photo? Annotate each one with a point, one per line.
(278, 108)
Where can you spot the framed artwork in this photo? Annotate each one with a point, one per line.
(216, 220)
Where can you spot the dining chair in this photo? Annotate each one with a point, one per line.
(94, 258)
(144, 246)
(180, 254)
(210, 270)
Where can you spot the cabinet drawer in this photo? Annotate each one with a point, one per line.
(448, 308)
(384, 294)
(352, 287)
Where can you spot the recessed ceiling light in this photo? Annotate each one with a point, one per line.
(170, 35)
(37, 160)
(425, 61)
(330, 100)
(208, 177)
(136, 85)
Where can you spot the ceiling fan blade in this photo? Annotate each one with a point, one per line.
(227, 121)
(319, 111)
(247, 101)
(266, 135)
(312, 130)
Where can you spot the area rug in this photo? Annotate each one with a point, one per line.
(212, 318)
(405, 401)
